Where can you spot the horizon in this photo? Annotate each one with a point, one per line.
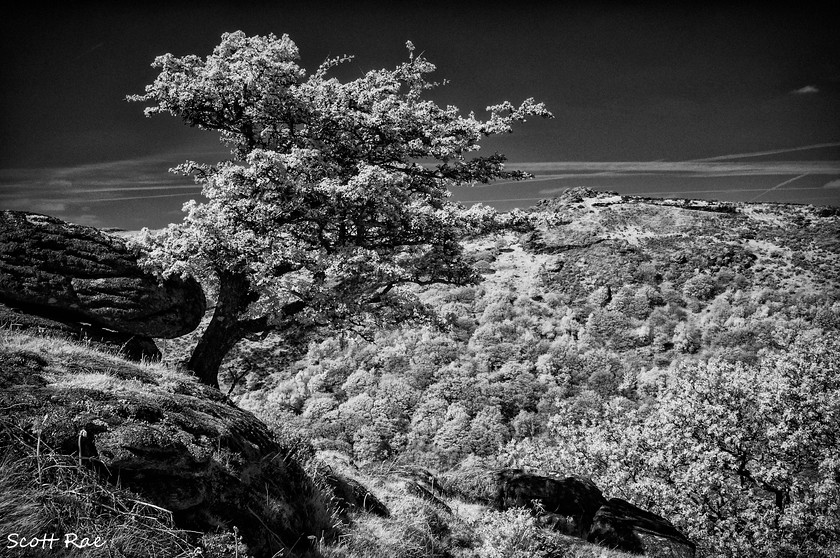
(730, 103)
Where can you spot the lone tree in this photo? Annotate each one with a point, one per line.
(335, 195)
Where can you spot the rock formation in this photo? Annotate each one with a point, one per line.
(176, 443)
(89, 281)
(619, 524)
(573, 505)
(421, 483)
(575, 497)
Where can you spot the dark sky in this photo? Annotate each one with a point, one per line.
(707, 102)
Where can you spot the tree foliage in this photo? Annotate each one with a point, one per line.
(744, 458)
(334, 197)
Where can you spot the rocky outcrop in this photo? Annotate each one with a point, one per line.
(573, 505)
(176, 443)
(621, 525)
(575, 497)
(71, 273)
(558, 500)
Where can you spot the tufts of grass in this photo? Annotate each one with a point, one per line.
(48, 493)
(414, 530)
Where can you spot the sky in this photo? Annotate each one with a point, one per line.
(710, 102)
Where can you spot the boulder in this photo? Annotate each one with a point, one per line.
(620, 525)
(133, 347)
(176, 443)
(566, 503)
(74, 273)
(473, 483)
(575, 497)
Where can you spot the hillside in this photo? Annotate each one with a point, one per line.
(166, 467)
(683, 355)
(650, 283)
(608, 305)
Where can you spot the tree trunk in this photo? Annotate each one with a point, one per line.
(224, 331)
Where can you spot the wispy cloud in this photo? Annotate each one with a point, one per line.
(777, 186)
(106, 192)
(191, 187)
(34, 205)
(57, 188)
(808, 89)
(684, 169)
(712, 167)
(76, 190)
(126, 198)
(772, 151)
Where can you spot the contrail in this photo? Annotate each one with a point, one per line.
(771, 152)
(137, 198)
(138, 188)
(682, 192)
(576, 169)
(502, 200)
(778, 186)
(545, 177)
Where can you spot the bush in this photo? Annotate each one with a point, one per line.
(508, 534)
(414, 530)
(701, 287)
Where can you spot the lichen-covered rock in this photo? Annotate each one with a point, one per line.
(70, 272)
(621, 525)
(178, 444)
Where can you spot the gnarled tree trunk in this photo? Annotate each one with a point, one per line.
(224, 330)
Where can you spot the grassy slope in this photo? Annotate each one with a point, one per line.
(45, 491)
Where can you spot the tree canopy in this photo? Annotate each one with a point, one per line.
(335, 194)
